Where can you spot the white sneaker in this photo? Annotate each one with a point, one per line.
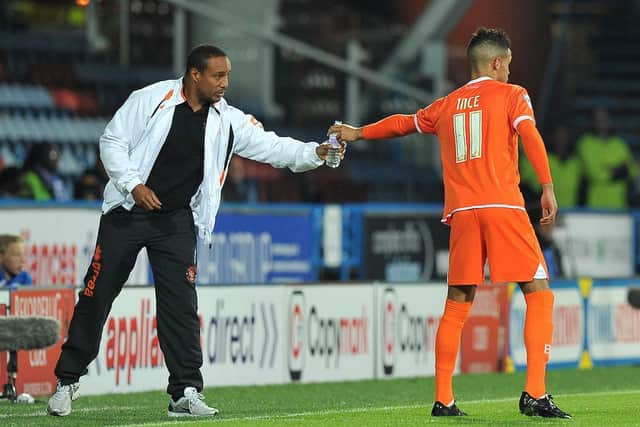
(60, 402)
(191, 405)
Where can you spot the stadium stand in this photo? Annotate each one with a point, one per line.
(605, 36)
(57, 86)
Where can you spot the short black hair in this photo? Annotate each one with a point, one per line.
(199, 56)
(496, 37)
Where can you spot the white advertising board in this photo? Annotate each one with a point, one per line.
(596, 245)
(408, 318)
(60, 243)
(613, 326)
(568, 327)
(330, 333)
(242, 336)
(129, 358)
(4, 296)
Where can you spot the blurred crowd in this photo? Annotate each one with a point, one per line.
(595, 169)
(39, 178)
(59, 86)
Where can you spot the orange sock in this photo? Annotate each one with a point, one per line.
(538, 333)
(447, 346)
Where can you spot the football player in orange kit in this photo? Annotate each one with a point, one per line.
(478, 127)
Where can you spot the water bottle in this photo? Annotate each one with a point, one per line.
(333, 156)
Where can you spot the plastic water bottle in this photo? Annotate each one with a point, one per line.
(333, 156)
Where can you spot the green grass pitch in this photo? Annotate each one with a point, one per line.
(599, 397)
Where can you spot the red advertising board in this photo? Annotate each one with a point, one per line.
(35, 367)
(483, 336)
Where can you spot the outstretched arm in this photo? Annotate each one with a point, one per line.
(253, 142)
(389, 127)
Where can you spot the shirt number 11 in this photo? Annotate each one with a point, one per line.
(475, 135)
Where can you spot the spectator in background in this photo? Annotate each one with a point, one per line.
(566, 170)
(608, 163)
(40, 174)
(90, 185)
(11, 182)
(12, 262)
(238, 187)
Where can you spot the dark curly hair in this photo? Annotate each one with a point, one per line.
(199, 56)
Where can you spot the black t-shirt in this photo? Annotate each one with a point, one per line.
(179, 168)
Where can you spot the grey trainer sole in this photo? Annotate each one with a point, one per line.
(189, 414)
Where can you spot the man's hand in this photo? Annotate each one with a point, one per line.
(145, 197)
(346, 133)
(323, 149)
(548, 204)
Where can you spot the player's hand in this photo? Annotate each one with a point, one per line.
(346, 133)
(145, 197)
(548, 204)
(322, 150)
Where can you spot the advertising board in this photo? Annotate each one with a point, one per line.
(330, 333)
(258, 248)
(35, 367)
(408, 317)
(568, 327)
(404, 247)
(613, 326)
(60, 242)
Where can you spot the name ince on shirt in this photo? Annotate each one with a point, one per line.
(470, 102)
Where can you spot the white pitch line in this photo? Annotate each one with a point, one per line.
(359, 410)
(43, 412)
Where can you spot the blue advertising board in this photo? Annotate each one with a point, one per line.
(259, 248)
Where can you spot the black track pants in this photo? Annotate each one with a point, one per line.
(170, 240)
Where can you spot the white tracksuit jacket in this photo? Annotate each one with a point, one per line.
(134, 136)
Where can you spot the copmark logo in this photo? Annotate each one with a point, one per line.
(406, 337)
(322, 338)
(296, 335)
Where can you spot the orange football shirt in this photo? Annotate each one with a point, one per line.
(476, 125)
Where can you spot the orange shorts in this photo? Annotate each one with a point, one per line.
(504, 236)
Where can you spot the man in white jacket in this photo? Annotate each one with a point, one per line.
(167, 151)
